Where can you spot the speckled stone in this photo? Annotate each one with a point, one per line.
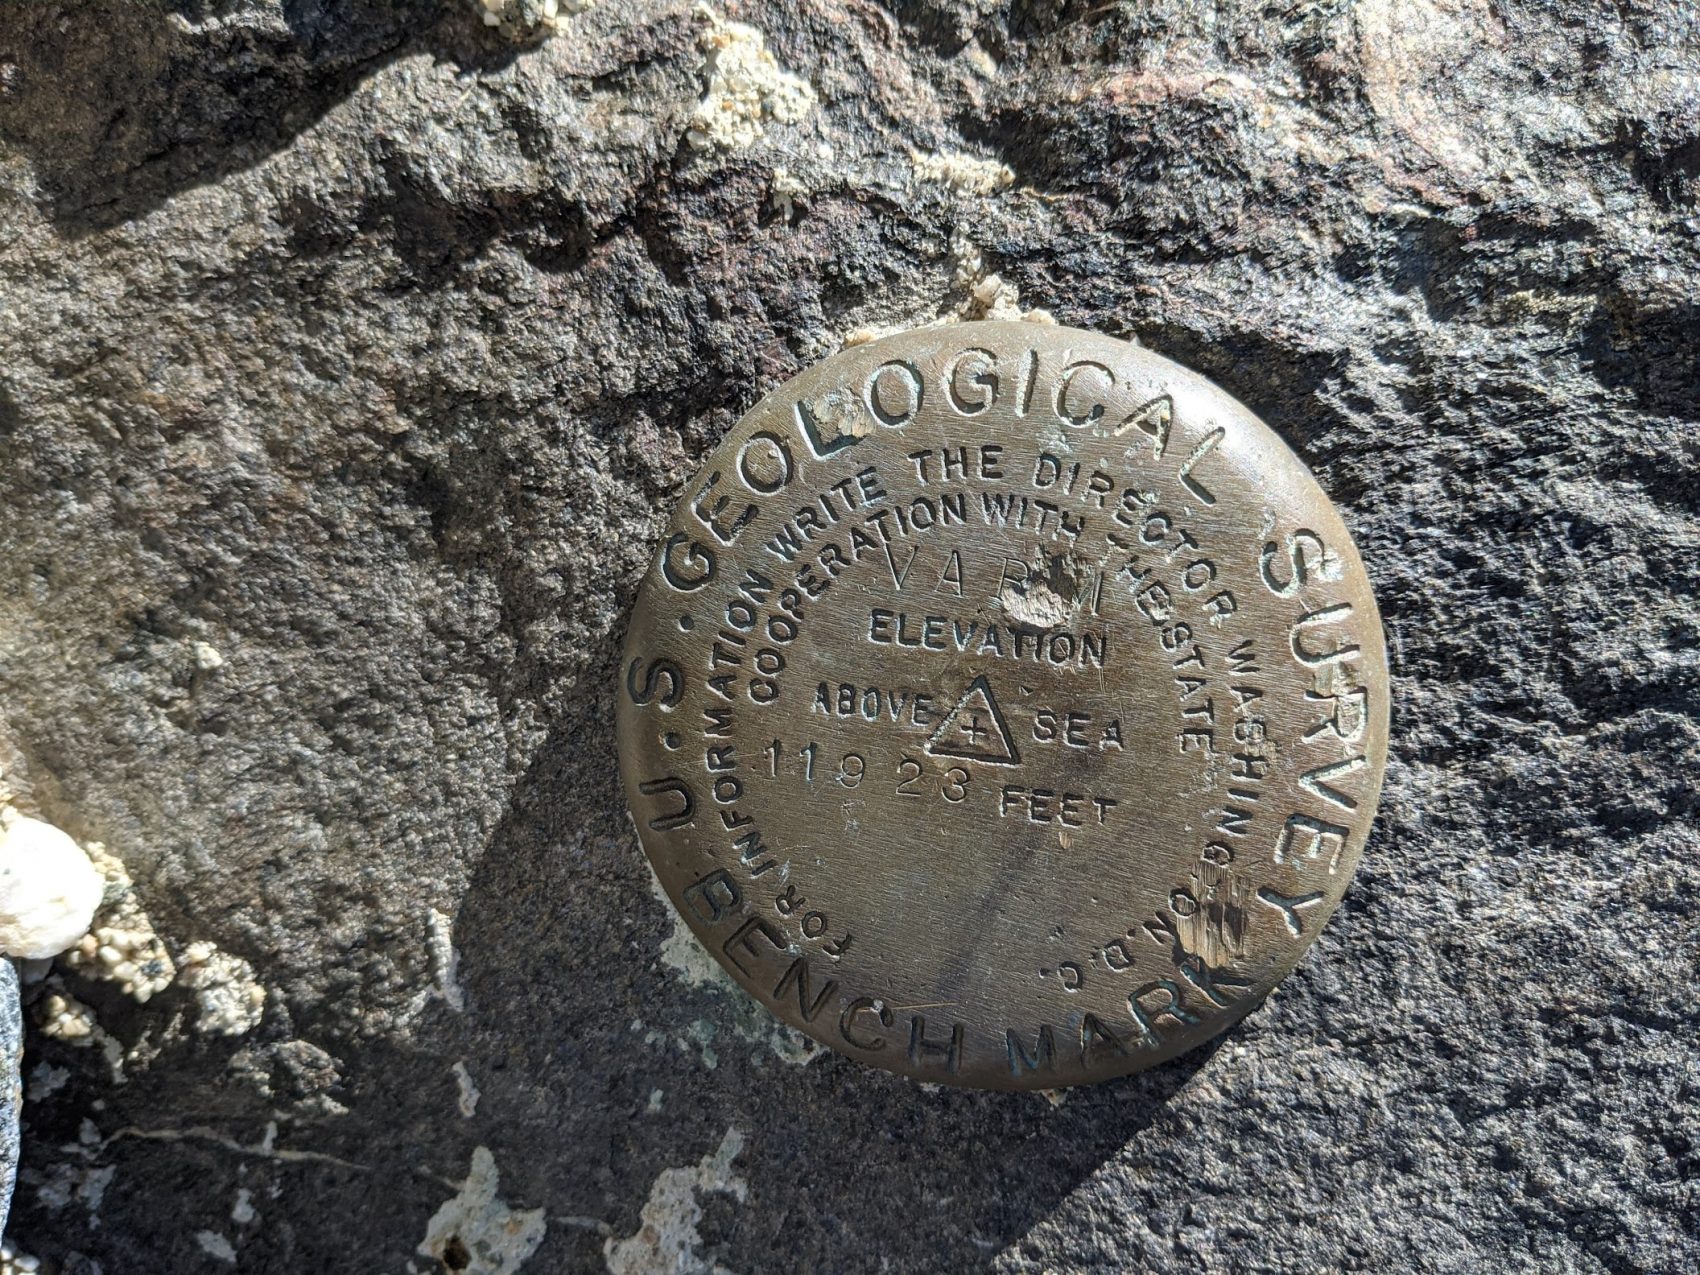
(11, 1082)
(354, 354)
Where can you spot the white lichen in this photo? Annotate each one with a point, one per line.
(47, 1079)
(49, 890)
(879, 331)
(524, 18)
(979, 60)
(746, 88)
(477, 1233)
(445, 961)
(216, 1246)
(63, 1017)
(979, 292)
(988, 295)
(122, 947)
(467, 1097)
(292, 1073)
(230, 998)
(683, 953)
(783, 192)
(68, 1019)
(66, 1184)
(667, 1240)
(965, 174)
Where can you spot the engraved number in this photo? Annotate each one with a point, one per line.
(908, 771)
(852, 769)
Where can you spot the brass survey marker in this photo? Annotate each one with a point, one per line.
(1006, 706)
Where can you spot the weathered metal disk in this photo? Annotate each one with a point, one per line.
(1006, 706)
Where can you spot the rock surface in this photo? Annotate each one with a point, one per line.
(354, 351)
(11, 1081)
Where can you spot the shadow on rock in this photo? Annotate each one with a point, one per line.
(121, 105)
(601, 1069)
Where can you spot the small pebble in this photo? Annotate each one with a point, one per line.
(48, 888)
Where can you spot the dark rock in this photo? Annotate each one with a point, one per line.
(367, 347)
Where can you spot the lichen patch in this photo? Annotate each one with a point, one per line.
(48, 888)
(476, 1232)
(965, 174)
(667, 1240)
(747, 89)
(978, 293)
(68, 1019)
(445, 960)
(216, 1247)
(467, 1095)
(523, 19)
(122, 946)
(987, 294)
(230, 998)
(784, 192)
(683, 953)
(67, 1184)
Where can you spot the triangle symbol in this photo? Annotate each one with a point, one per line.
(975, 729)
